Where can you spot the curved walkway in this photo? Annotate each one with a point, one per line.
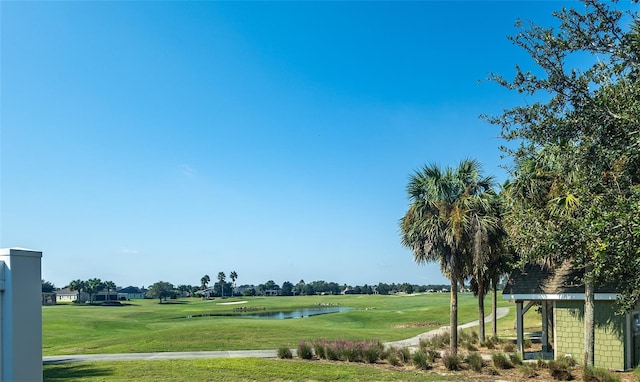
(414, 341)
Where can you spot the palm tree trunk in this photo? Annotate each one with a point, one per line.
(589, 315)
(494, 309)
(481, 294)
(453, 319)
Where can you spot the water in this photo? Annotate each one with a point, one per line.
(283, 314)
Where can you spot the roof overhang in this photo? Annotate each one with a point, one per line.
(559, 296)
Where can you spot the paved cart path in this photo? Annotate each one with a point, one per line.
(413, 341)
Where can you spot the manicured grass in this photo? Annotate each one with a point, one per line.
(238, 369)
(147, 326)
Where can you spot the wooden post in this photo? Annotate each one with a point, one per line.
(520, 328)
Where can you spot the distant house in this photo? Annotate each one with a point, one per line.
(206, 293)
(130, 293)
(67, 295)
(561, 298)
(105, 295)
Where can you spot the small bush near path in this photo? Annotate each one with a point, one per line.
(284, 352)
(452, 361)
(405, 355)
(419, 360)
(318, 348)
(304, 350)
(501, 361)
(596, 374)
(475, 361)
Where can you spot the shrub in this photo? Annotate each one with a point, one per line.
(475, 361)
(332, 352)
(529, 370)
(352, 351)
(404, 354)
(372, 350)
(492, 371)
(488, 343)
(393, 359)
(636, 372)
(515, 359)
(432, 355)
(452, 361)
(561, 369)
(319, 349)
(420, 360)
(596, 374)
(527, 343)
(304, 350)
(284, 352)
(501, 361)
(469, 346)
(509, 347)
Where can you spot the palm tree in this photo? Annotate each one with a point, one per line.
(93, 286)
(77, 285)
(204, 281)
(221, 278)
(441, 223)
(109, 286)
(234, 277)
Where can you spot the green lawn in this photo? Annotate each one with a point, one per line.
(238, 369)
(147, 326)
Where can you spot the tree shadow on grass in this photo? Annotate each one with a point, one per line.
(72, 371)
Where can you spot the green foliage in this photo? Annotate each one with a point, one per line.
(636, 373)
(319, 349)
(501, 361)
(509, 347)
(304, 350)
(529, 370)
(284, 352)
(561, 369)
(596, 374)
(452, 361)
(404, 354)
(515, 359)
(475, 361)
(160, 290)
(393, 359)
(419, 360)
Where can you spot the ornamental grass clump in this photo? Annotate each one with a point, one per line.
(529, 370)
(501, 361)
(304, 350)
(561, 369)
(452, 361)
(404, 354)
(319, 348)
(597, 374)
(419, 360)
(509, 347)
(515, 359)
(284, 352)
(475, 361)
(373, 350)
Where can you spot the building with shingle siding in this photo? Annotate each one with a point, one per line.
(560, 295)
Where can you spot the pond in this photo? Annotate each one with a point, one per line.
(280, 315)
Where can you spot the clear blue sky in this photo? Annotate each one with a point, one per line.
(147, 141)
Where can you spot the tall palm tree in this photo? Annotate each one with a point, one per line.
(234, 277)
(221, 278)
(93, 286)
(77, 285)
(109, 286)
(204, 281)
(442, 221)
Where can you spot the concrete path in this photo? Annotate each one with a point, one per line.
(414, 341)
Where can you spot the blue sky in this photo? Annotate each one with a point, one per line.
(147, 141)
